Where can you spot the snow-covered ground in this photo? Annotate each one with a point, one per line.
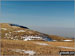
(20, 31)
(54, 40)
(26, 38)
(66, 47)
(67, 40)
(30, 52)
(41, 43)
(6, 34)
(4, 28)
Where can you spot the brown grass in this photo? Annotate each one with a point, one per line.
(51, 49)
(27, 32)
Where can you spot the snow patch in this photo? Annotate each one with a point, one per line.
(26, 38)
(30, 52)
(41, 43)
(6, 34)
(66, 47)
(16, 50)
(54, 40)
(20, 31)
(4, 28)
(12, 38)
(67, 40)
(10, 32)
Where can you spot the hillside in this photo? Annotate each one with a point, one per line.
(17, 40)
(18, 32)
(37, 48)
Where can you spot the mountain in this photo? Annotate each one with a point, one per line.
(22, 41)
(19, 32)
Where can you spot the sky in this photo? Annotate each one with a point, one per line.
(52, 17)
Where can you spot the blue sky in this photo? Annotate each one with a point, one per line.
(39, 14)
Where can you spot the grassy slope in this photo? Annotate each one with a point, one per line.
(51, 49)
(27, 32)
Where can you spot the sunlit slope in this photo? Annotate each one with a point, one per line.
(17, 47)
(18, 32)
